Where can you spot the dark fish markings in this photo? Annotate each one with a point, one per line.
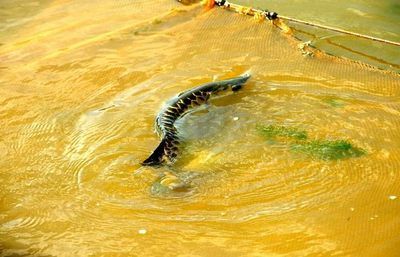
(177, 107)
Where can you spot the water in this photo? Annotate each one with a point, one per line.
(368, 17)
(80, 86)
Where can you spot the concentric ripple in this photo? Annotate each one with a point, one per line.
(81, 85)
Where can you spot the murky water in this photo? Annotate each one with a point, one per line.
(81, 83)
(379, 19)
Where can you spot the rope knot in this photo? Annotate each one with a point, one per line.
(270, 15)
(220, 2)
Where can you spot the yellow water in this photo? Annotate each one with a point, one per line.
(379, 19)
(80, 85)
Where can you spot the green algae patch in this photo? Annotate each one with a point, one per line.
(328, 149)
(273, 132)
(298, 142)
(334, 102)
(156, 21)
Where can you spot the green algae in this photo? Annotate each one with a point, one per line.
(334, 102)
(298, 142)
(156, 21)
(273, 132)
(328, 149)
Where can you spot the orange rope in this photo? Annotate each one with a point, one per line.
(209, 4)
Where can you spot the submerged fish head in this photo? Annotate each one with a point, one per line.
(234, 84)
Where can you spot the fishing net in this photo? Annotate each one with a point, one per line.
(185, 39)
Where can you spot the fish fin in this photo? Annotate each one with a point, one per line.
(157, 157)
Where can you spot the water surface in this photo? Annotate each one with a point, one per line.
(81, 83)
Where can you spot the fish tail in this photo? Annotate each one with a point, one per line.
(167, 149)
(157, 157)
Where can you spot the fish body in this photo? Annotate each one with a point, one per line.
(178, 106)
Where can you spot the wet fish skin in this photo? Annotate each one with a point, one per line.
(177, 107)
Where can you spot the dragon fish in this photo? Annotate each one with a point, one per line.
(177, 107)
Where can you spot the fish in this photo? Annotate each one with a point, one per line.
(177, 107)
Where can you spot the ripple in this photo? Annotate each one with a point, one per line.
(272, 188)
(27, 222)
(79, 118)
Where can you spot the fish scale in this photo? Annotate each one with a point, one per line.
(167, 150)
